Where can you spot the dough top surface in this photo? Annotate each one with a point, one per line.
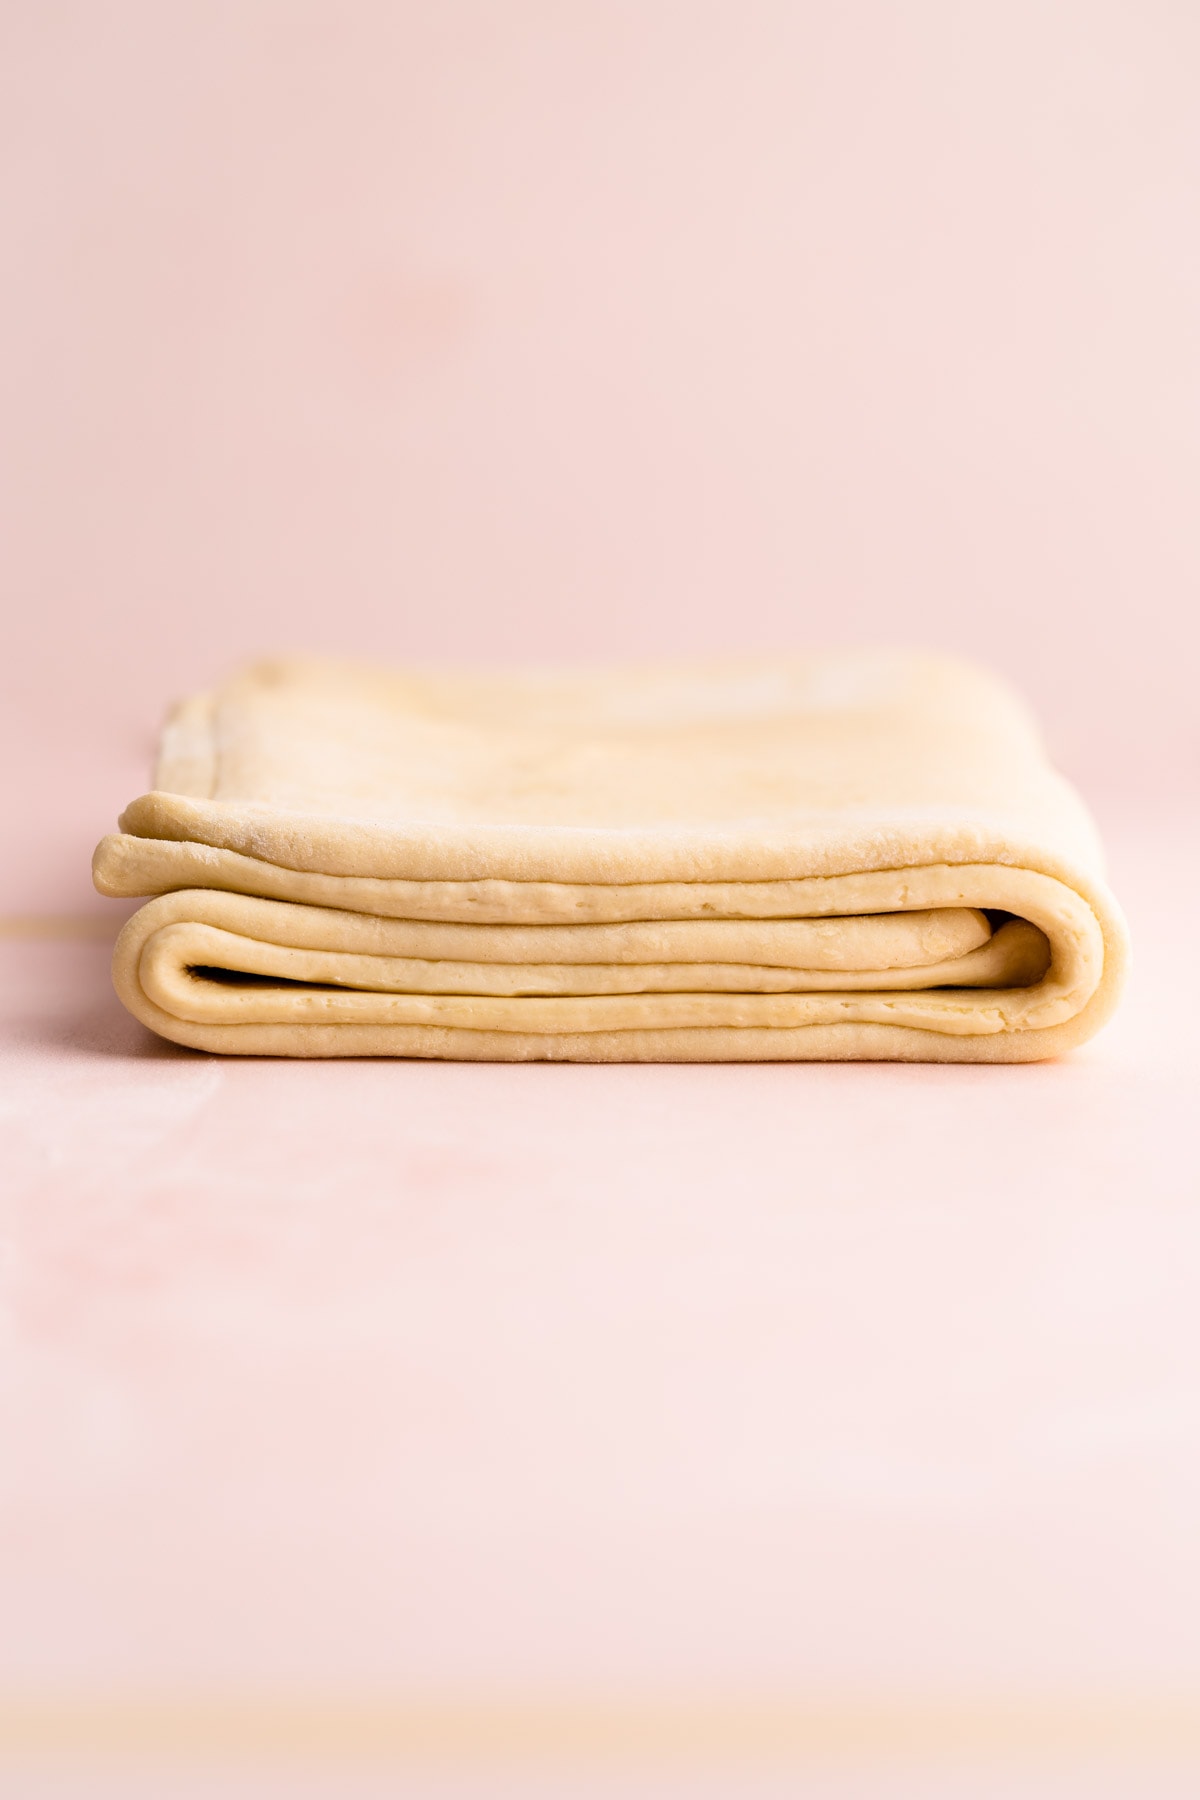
(717, 746)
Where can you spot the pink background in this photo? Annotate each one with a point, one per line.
(556, 329)
(593, 328)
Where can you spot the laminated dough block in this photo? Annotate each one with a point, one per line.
(855, 855)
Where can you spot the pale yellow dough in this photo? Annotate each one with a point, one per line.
(862, 855)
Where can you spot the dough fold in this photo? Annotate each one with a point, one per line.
(862, 855)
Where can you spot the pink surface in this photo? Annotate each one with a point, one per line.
(869, 1395)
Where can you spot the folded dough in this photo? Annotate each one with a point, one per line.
(860, 855)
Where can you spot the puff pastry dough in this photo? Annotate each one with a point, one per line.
(861, 855)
